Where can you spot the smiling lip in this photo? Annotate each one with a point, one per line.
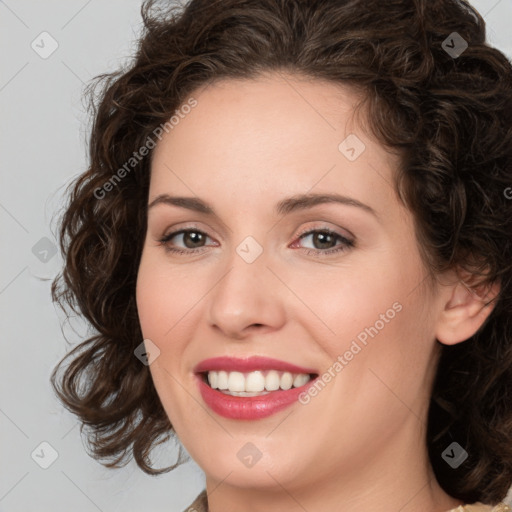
(251, 364)
(254, 407)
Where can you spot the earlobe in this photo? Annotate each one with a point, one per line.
(465, 311)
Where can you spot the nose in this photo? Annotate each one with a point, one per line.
(247, 299)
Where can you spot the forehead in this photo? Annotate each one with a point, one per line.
(272, 136)
(278, 109)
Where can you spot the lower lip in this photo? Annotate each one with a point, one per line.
(249, 407)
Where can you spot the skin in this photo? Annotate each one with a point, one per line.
(361, 441)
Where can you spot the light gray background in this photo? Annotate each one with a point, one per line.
(43, 147)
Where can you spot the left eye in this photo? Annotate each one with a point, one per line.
(325, 240)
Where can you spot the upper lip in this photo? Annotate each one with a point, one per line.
(249, 364)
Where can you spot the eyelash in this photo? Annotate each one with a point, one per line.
(345, 245)
(345, 242)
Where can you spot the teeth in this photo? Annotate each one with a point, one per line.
(272, 381)
(236, 381)
(300, 380)
(286, 381)
(222, 380)
(213, 379)
(255, 383)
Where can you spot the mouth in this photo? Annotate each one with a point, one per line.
(253, 388)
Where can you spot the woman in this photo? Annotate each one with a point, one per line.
(294, 241)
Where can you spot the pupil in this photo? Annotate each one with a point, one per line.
(193, 237)
(324, 239)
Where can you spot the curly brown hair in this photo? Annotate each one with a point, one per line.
(448, 116)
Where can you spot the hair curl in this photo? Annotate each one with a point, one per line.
(449, 118)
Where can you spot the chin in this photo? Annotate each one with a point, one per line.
(248, 463)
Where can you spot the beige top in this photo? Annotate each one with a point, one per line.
(201, 505)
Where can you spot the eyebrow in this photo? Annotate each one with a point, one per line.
(283, 207)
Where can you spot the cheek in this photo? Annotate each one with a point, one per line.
(150, 296)
(162, 310)
(344, 304)
(164, 299)
(389, 358)
(374, 320)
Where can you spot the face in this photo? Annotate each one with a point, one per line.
(290, 262)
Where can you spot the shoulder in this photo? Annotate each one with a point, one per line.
(480, 507)
(200, 504)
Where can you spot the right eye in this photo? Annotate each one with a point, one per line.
(191, 240)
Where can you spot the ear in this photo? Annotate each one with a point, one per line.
(464, 311)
